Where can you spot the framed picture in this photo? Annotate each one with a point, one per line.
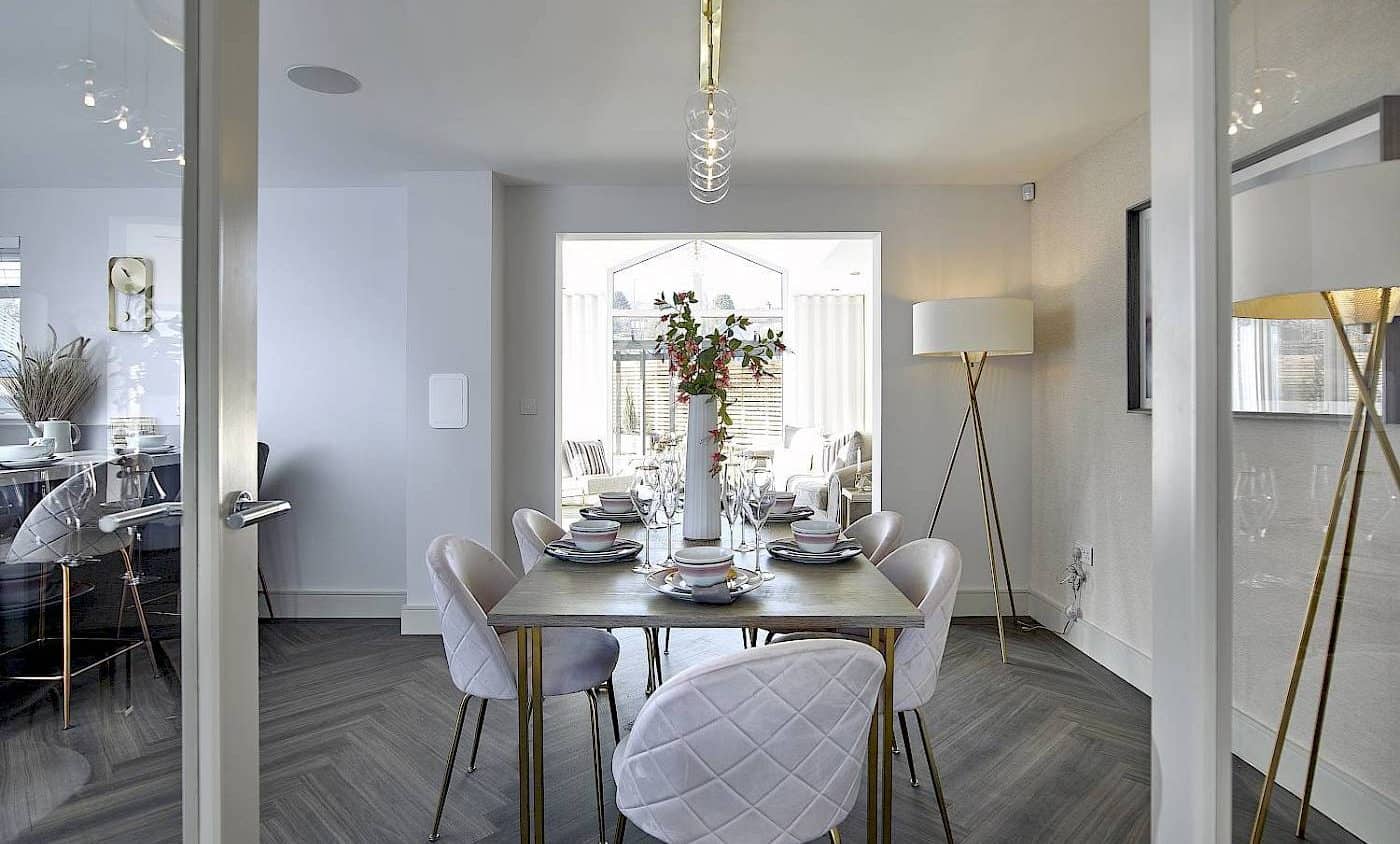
(1281, 367)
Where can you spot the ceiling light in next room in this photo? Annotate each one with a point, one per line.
(322, 79)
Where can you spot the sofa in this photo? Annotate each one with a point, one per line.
(588, 471)
(817, 467)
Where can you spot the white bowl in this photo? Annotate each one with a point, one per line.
(705, 565)
(594, 534)
(144, 441)
(616, 502)
(25, 452)
(782, 502)
(816, 536)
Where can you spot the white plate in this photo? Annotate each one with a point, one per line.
(591, 512)
(565, 549)
(161, 449)
(34, 463)
(786, 549)
(796, 514)
(669, 582)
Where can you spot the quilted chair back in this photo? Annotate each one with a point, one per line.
(877, 533)
(765, 745)
(533, 531)
(475, 657)
(927, 572)
(48, 532)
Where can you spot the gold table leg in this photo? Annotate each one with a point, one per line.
(872, 817)
(522, 701)
(887, 741)
(537, 717)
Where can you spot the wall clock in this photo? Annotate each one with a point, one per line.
(129, 295)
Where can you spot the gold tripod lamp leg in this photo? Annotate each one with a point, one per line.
(986, 509)
(1364, 405)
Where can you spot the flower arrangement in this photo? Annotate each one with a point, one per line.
(701, 362)
(51, 382)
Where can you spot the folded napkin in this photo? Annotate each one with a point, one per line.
(717, 593)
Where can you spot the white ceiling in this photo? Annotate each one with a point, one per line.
(830, 92)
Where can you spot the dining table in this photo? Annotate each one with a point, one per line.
(800, 596)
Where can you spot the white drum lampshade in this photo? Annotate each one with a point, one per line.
(1337, 231)
(997, 325)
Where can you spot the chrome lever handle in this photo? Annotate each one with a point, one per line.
(137, 516)
(246, 511)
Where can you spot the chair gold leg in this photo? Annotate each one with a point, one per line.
(140, 610)
(451, 761)
(67, 647)
(476, 740)
(621, 828)
(597, 764)
(933, 774)
(835, 836)
(612, 707)
(908, 757)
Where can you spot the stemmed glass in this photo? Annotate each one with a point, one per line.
(1254, 501)
(646, 501)
(732, 499)
(759, 503)
(669, 493)
(79, 490)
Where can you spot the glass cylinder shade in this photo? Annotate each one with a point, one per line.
(710, 115)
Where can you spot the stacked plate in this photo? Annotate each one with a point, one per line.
(32, 463)
(786, 549)
(592, 512)
(566, 549)
(796, 514)
(670, 583)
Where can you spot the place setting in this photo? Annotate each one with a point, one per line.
(594, 541)
(815, 541)
(704, 575)
(38, 454)
(146, 444)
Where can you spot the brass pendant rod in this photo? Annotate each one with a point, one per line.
(1378, 352)
(711, 18)
(1363, 389)
(1310, 612)
(986, 511)
(953, 459)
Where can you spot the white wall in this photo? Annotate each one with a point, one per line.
(67, 235)
(331, 347)
(938, 241)
(454, 312)
(331, 361)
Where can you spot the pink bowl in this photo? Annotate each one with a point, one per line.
(816, 536)
(704, 566)
(783, 501)
(594, 534)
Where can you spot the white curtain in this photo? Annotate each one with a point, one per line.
(1257, 384)
(585, 354)
(824, 373)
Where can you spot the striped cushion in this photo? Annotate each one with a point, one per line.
(840, 452)
(586, 457)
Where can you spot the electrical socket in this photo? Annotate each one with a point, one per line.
(1083, 553)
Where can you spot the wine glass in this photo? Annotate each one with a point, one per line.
(644, 500)
(1254, 501)
(669, 493)
(759, 503)
(79, 491)
(732, 500)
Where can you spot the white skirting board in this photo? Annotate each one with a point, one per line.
(329, 603)
(1359, 808)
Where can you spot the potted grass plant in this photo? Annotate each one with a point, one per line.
(50, 382)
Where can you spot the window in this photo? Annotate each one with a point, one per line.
(9, 312)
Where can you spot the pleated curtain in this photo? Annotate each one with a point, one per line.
(824, 375)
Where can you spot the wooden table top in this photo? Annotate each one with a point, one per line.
(555, 593)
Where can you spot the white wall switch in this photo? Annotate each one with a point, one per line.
(447, 400)
(529, 407)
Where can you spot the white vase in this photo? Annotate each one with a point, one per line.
(702, 504)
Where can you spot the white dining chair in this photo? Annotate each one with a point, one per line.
(927, 571)
(878, 534)
(765, 745)
(468, 580)
(533, 533)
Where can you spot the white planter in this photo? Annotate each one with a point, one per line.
(702, 492)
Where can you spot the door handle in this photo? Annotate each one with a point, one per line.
(246, 511)
(137, 516)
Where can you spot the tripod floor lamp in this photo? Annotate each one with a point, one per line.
(974, 330)
(1325, 246)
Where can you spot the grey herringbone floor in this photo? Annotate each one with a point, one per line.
(356, 719)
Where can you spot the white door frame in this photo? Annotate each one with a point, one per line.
(219, 638)
(1191, 539)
